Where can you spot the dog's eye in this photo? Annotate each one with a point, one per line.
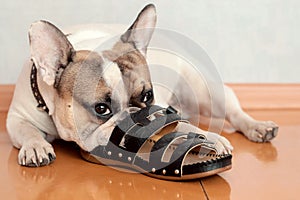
(147, 97)
(102, 109)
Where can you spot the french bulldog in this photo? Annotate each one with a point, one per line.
(82, 93)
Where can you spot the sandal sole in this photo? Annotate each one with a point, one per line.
(117, 164)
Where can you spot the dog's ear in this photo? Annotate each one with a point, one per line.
(50, 49)
(140, 32)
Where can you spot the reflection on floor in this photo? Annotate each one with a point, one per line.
(260, 171)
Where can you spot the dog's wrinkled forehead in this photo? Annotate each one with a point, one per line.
(132, 64)
(134, 70)
(128, 58)
(91, 77)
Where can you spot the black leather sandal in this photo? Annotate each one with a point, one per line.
(137, 143)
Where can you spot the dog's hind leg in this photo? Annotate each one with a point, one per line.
(257, 131)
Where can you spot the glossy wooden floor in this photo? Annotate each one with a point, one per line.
(260, 171)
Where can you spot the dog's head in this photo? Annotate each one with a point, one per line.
(89, 89)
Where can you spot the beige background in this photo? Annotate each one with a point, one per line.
(249, 41)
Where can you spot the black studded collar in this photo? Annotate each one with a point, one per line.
(35, 90)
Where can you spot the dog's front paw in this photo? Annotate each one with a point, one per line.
(36, 154)
(220, 143)
(262, 131)
(223, 146)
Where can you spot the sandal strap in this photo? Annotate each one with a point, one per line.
(134, 140)
(142, 115)
(159, 148)
(184, 148)
(135, 121)
(180, 153)
(175, 166)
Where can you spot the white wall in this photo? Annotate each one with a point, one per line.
(249, 41)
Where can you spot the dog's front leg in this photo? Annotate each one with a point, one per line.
(34, 149)
(257, 131)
